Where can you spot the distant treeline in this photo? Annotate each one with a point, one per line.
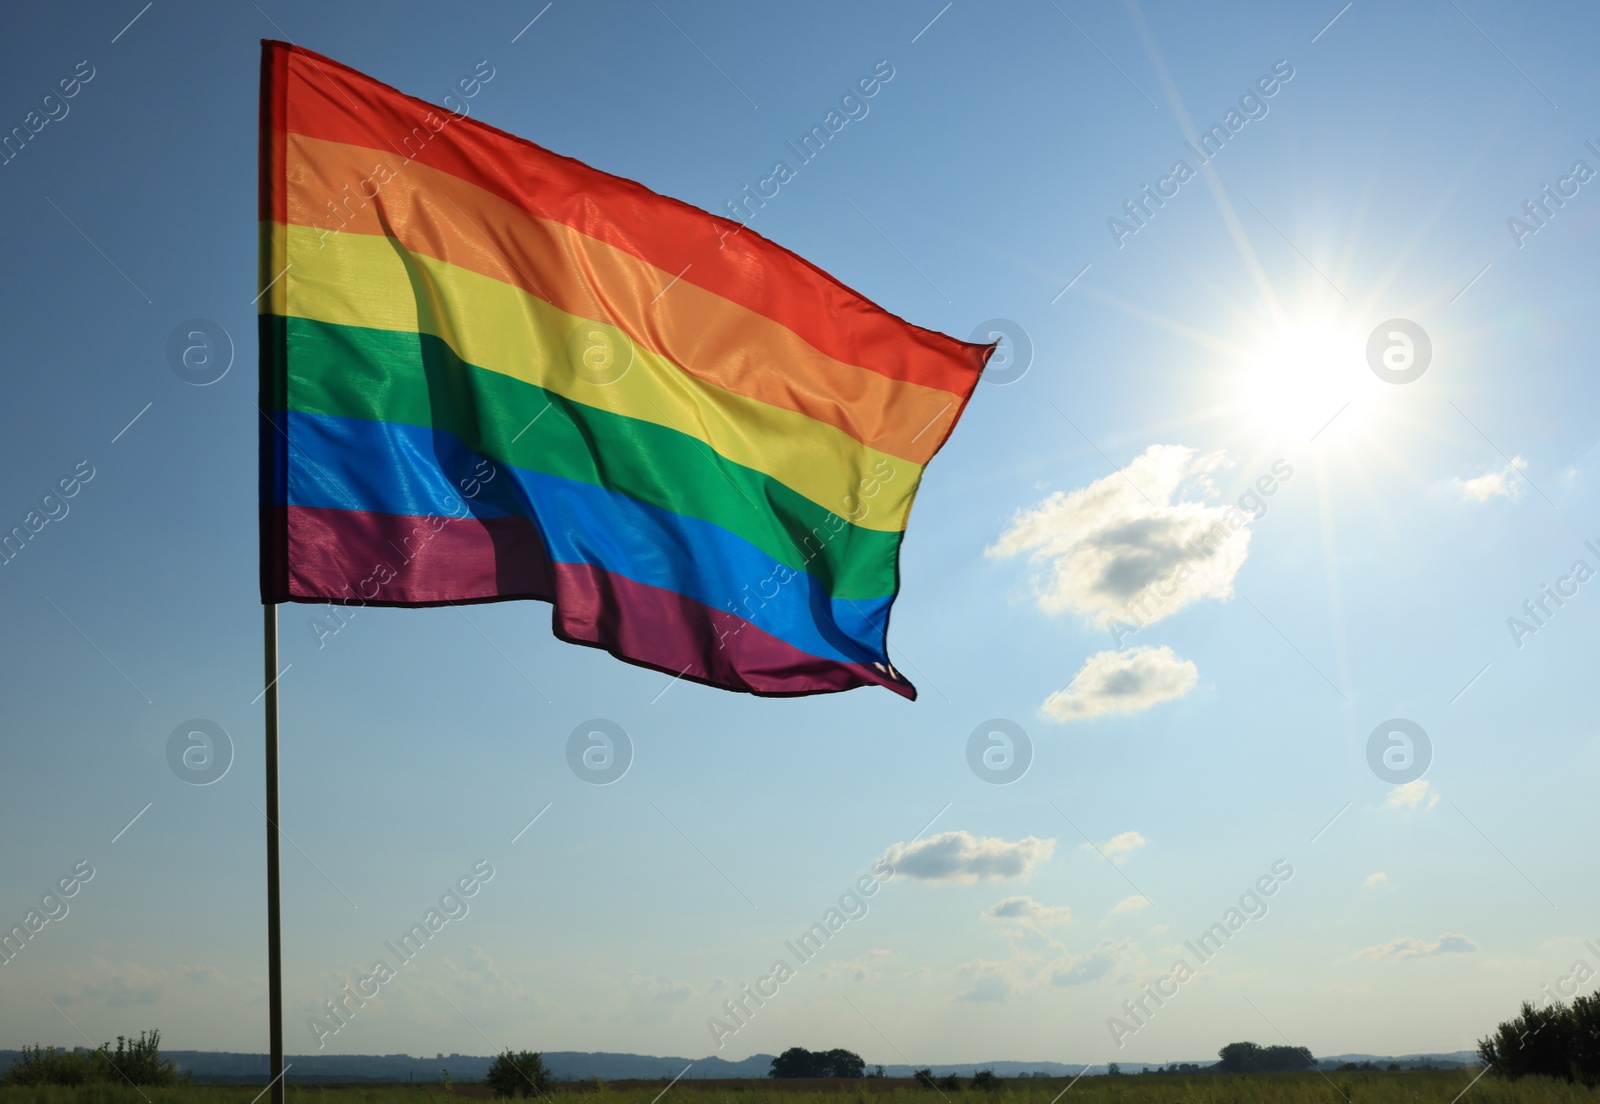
(1252, 1058)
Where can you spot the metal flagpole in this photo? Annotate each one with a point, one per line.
(274, 918)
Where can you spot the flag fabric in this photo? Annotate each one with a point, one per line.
(490, 372)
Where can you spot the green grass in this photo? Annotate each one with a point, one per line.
(1409, 1087)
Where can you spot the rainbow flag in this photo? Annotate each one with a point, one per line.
(490, 372)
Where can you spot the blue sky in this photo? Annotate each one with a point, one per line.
(1222, 342)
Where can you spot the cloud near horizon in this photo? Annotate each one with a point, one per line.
(1135, 536)
(959, 858)
(1127, 681)
(1407, 947)
(1081, 969)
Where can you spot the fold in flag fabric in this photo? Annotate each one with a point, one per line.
(490, 372)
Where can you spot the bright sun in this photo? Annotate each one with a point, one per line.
(1299, 373)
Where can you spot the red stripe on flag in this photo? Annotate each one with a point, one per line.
(707, 250)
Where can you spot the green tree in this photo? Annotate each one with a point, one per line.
(843, 1063)
(1253, 1058)
(1554, 1041)
(795, 1062)
(923, 1077)
(518, 1074)
(800, 1062)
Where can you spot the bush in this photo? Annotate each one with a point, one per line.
(951, 1083)
(518, 1074)
(135, 1061)
(49, 1066)
(985, 1079)
(923, 1077)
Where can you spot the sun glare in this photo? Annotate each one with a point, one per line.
(1300, 373)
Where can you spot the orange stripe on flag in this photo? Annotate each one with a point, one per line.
(673, 236)
(341, 189)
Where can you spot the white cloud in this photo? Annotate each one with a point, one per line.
(960, 858)
(1500, 483)
(1118, 847)
(661, 989)
(483, 976)
(1025, 910)
(1130, 905)
(1128, 681)
(990, 988)
(1398, 950)
(1412, 795)
(1081, 969)
(1378, 879)
(1133, 546)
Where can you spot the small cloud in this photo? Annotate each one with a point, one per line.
(961, 859)
(1137, 545)
(1118, 847)
(1081, 969)
(1126, 681)
(1500, 483)
(988, 990)
(1398, 950)
(1025, 910)
(1130, 905)
(484, 977)
(1412, 795)
(127, 986)
(1378, 879)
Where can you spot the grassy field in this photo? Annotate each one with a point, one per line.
(1409, 1087)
